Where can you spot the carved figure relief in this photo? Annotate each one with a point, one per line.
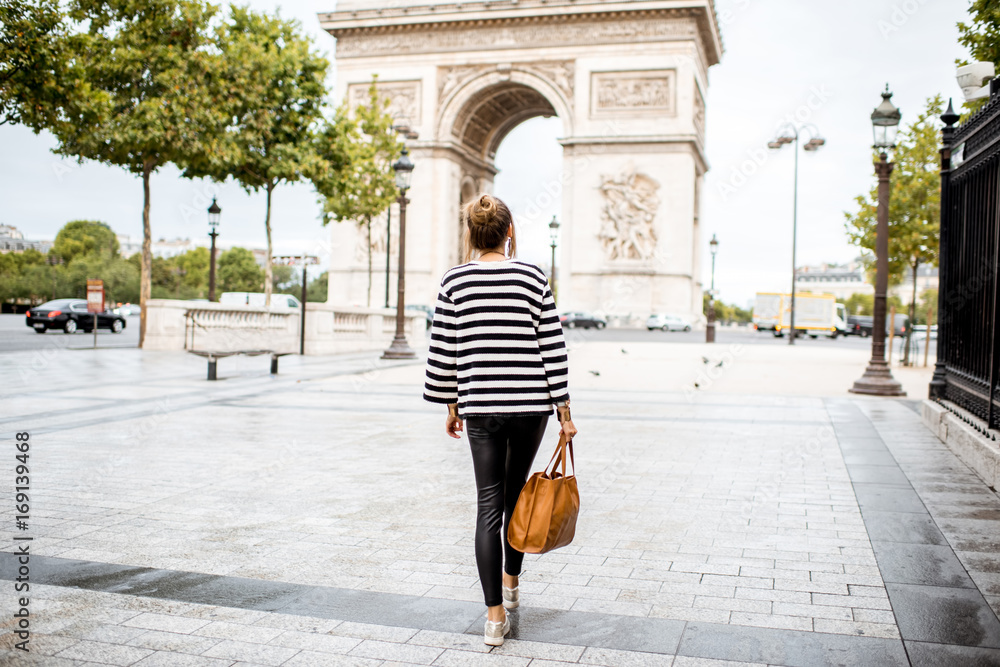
(699, 110)
(630, 205)
(636, 92)
(489, 35)
(404, 97)
(557, 72)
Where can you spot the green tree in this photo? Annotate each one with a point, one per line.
(194, 269)
(318, 288)
(355, 179)
(860, 304)
(34, 68)
(981, 36)
(147, 93)
(83, 237)
(914, 203)
(239, 272)
(279, 86)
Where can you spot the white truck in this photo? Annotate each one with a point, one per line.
(815, 314)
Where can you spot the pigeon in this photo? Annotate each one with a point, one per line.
(719, 365)
(697, 386)
(704, 360)
(624, 351)
(594, 373)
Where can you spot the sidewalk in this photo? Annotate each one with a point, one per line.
(322, 517)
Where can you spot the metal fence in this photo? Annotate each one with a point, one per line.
(967, 346)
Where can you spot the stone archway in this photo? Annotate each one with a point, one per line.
(464, 75)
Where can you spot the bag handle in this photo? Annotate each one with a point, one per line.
(559, 456)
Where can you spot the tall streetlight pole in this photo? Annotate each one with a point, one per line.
(400, 349)
(787, 134)
(877, 379)
(214, 214)
(553, 235)
(713, 246)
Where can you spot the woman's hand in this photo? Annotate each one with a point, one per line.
(453, 426)
(568, 429)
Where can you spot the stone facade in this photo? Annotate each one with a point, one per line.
(627, 80)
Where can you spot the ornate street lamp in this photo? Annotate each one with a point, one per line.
(553, 235)
(789, 133)
(713, 246)
(877, 379)
(400, 349)
(214, 214)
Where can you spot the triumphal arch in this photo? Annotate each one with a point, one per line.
(627, 79)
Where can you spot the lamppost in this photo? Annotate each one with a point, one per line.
(400, 349)
(787, 134)
(713, 246)
(214, 213)
(553, 235)
(877, 379)
(402, 127)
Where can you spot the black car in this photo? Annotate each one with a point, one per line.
(861, 325)
(70, 315)
(582, 321)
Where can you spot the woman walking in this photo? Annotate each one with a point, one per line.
(497, 358)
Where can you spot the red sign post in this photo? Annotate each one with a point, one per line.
(95, 301)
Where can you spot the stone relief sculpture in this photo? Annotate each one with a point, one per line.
(644, 92)
(699, 110)
(404, 97)
(558, 72)
(630, 204)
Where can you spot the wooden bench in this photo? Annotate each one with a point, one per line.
(214, 356)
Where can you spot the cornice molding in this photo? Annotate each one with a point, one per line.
(368, 23)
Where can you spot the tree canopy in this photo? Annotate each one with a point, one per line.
(355, 179)
(278, 89)
(914, 200)
(82, 237)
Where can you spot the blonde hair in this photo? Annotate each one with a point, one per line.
(486, 220)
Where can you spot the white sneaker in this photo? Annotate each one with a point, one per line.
(511, 598)
(494, 632)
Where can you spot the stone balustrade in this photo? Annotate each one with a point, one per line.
(189, 325)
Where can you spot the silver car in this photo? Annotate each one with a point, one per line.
(667, 323)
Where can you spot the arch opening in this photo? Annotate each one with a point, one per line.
(487, 118)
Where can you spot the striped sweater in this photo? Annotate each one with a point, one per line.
(496, 343)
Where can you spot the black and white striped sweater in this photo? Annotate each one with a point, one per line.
(496, 343)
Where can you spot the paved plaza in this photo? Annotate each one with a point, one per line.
(738, 507)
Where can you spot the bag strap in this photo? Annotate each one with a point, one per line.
(559, 456)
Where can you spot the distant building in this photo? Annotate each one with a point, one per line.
(127, 246)
(12, 240)
(844, 280)
(840, 280)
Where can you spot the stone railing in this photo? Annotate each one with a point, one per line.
(188, 325)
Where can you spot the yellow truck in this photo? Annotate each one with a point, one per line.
(815, 314)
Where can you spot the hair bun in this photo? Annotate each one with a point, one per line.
(483, 210)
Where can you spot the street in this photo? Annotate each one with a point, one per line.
(15, 336)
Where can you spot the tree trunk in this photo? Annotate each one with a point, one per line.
(913, 313)
(268, 271)
(368, 224)
(146, 272)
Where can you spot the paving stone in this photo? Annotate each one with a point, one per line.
(248, 652)
(944, 615)
(372, 648)
(110, 654)
(616, 658)
(307, 658)
(172, 641)
(166, 659)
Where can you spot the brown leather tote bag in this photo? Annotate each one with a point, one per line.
(545, 514)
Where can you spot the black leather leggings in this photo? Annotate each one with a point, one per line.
(503, 449)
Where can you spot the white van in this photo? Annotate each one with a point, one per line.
(257, 299)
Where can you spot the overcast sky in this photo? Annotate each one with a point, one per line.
(825, 62)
